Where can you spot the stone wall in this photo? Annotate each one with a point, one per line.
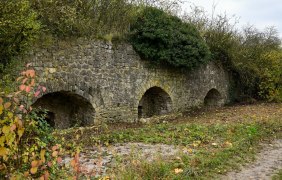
(113, 79)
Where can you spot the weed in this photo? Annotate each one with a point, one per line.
(277, 176)
(211, 148)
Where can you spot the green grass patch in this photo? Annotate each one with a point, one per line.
(278, 176)
(216, 148)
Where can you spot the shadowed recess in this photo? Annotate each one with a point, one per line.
(213, 98)
(155, 101)
(66, 109)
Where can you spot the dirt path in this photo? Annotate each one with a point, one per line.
(269, 160)
(95, 161)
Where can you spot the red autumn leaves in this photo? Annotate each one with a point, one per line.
(28, 82)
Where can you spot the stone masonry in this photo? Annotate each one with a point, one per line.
(94, 81)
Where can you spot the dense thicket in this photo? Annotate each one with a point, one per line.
(18, 28)
(164, 39)
(23, 21)
(64, 18)
(254, 57)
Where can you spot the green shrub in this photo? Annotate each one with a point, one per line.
(270, 85)
(18, 29)
(65, 18)
(164, 39)
(84, 18)
(28, 150)
(253, 57)
(258, 60)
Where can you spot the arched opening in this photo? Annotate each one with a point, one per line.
(213, 98)
(66, 109)
(155, 101)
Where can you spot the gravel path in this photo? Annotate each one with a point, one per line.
(95, 161)
(269, 160)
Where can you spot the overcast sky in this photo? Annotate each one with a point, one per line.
(260, 13)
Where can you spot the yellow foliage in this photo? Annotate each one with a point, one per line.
(34, 163)
(42, 155)
(271, 75)
(2, 141)
(10, 115)
(6, 129)
(33, 170)
(23, 140)
(3, 151)
(20, 132)
(1, 109)
(178, 170)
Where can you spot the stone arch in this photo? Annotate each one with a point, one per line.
(91, 93)
(66, 109)
(213, 98)
(155, 101)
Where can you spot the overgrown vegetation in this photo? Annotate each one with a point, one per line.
(18, 29)
(91, 18)
(277, 176)
(253, 56)
(211, 148)
(25, 22)
(164, 39)
(29, 150)
(63, 18)
(27, 147)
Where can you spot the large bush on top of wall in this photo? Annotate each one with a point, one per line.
(164, 39)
